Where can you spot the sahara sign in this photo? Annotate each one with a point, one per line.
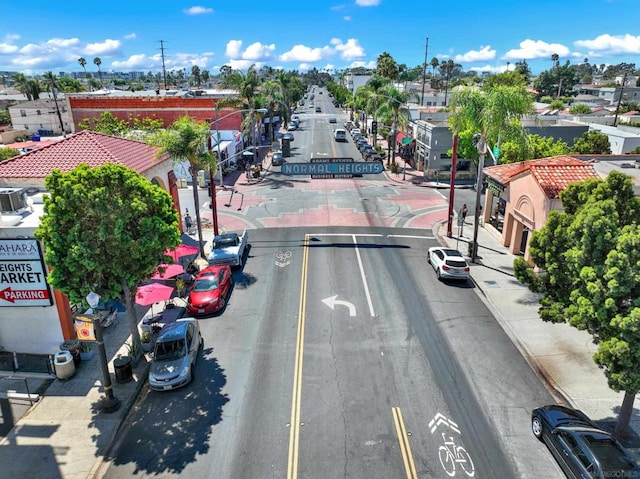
(23, 281)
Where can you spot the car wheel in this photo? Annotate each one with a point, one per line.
(438, 274)
(429, 258)
(201, 342)
(223, 303)
(537, 427)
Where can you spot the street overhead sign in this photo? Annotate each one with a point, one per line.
(328, 167)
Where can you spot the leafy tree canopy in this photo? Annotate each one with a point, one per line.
(6, 153)
(592, 142)
(589, 256)
(104, 229)
(5, 117)
(538, 147)
(108, 124)
(579, 109)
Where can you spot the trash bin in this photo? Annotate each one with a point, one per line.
(64, 365)
(123, 369)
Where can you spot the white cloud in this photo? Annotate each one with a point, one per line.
(233, 48)
(7, 48)
(490, 69)
(243, 65)
(611, 45)
(351, 50)
(130, 36)
(301, 53)
(259, 52)
(304, 67)
(346, 18)
(485, 53)
(106, 48)
(367, 3)
(361, 64)
(197, 10)
(531, 49)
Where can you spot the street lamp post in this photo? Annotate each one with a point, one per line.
(481, 145)
(109, 403)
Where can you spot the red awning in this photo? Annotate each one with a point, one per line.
(400, 136)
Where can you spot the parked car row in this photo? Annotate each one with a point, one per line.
(367, 151)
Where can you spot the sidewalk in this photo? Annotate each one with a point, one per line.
(64, 435)
(560, 354)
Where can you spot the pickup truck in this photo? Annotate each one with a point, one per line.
(228, 249)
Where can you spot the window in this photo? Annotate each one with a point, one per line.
(38, 112)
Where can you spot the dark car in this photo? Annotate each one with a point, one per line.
(277, 159)
(581, 448)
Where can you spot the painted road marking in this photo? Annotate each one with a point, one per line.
(332, 302)
(296, 397)
(405, 447)
(364, 278)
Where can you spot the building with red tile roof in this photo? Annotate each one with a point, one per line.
(95, 149)
(51, 314)
(521, 195)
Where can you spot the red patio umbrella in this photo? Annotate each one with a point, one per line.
(149, 294)
(166, 271)
(180, 251)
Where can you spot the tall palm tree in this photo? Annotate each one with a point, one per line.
(21, 84)
(195, 73)
(188, 139)
(246, 84)
(393, 105)
(97, 62)
(52, 83)
(83, 64)
(271, 90)
(435, 63)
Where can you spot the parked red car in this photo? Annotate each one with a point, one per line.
(210, 290)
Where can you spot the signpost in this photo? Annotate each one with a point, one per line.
(333, 168)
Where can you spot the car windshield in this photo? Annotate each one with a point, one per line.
(609, 454)
(208, 283)
(169, 350)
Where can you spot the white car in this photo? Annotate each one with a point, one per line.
(448, 263)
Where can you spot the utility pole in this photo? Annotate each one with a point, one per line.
(164, 70)
(481, 144)
(624, 81)
(424, 71)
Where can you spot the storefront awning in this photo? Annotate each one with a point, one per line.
(403, 138)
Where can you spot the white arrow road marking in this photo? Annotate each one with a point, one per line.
(332, 302)
(441, 419)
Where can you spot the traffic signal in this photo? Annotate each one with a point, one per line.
(374, 127)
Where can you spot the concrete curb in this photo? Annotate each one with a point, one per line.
(552, 386)
(98, 470)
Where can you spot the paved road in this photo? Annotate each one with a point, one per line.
(288, 386)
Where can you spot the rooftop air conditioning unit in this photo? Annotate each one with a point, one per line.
(12, 199)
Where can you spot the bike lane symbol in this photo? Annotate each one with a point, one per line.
(283, 258)
(450, 454)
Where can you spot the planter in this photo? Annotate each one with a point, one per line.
(87, 355)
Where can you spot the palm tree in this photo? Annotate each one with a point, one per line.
(272, 92)
(187, 139)
(21, 84)
(97, 62)
(195, 73)
(52, 82)
(393, 105)
(83, 64)
(246, 85)
(435, 63)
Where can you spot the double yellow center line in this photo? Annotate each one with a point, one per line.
(296, 399)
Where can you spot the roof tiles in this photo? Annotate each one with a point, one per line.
(94, 149)
(552, 174)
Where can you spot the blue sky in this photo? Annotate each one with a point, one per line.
(40, 36)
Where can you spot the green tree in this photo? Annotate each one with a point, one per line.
(579, 109)
(387, 66)
(21, 83)
(188, 139)
(5, 117)
(589, 261)
(592, 142)
(6, 153)
(539, 147)
(195, 73)
(509, 78)
(493, 114)
(70, 85)
(97, 62)
(83, 63)
(557, 105)
(105, 229)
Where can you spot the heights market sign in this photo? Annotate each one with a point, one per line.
(23, 279)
